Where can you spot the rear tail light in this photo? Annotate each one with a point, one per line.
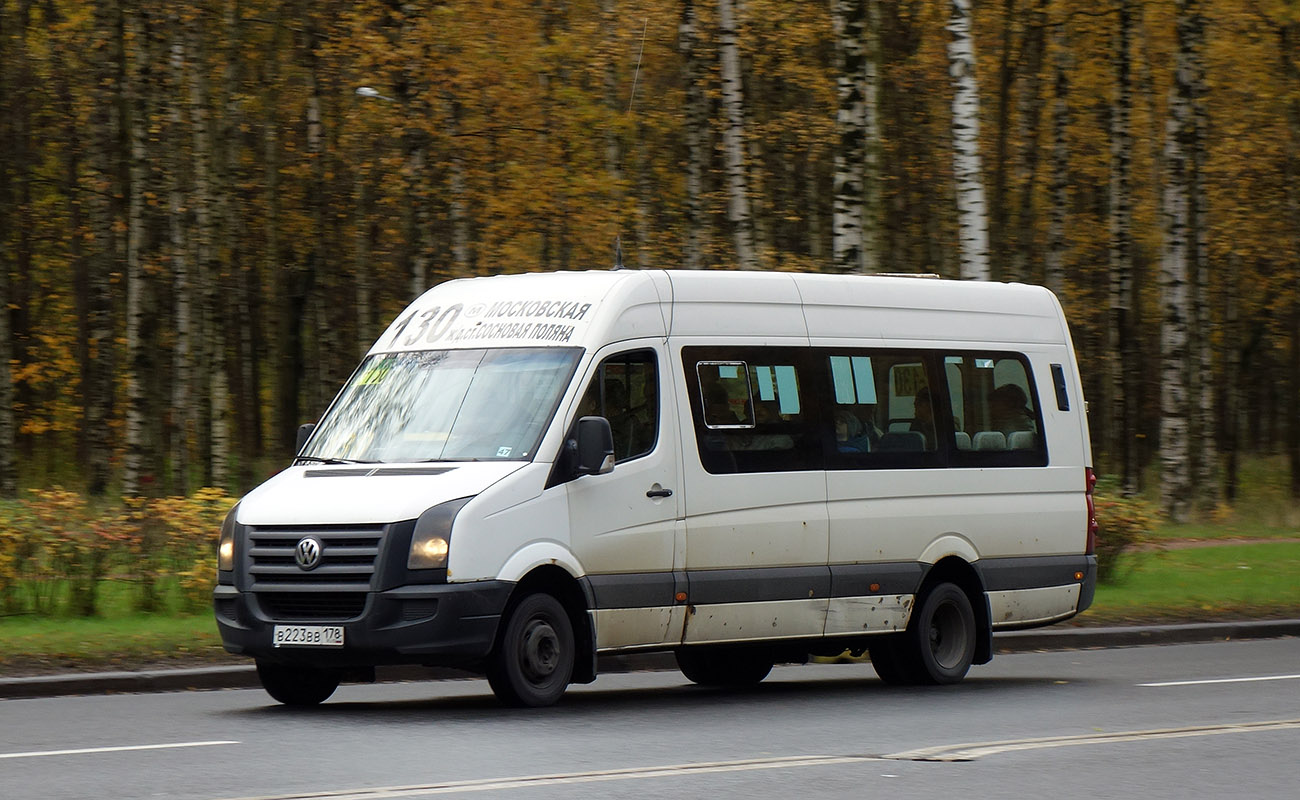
(1090, 478)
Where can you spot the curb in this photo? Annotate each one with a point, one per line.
(245, 677)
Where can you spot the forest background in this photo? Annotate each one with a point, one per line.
(203, 222)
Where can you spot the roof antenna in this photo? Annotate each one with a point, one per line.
(618, 253)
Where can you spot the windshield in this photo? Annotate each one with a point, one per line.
(445, 405)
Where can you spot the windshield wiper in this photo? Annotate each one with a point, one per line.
(320, 460)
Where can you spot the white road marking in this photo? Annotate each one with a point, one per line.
(1208, 681)
(974, 750)
(121, 749)
(561, 779)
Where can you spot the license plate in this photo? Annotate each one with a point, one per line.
(307, 636)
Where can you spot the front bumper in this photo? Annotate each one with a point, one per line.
(438, 625)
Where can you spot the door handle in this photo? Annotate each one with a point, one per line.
(659, 493)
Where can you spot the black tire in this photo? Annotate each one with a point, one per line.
(533, 661)
(297, 686)
(941, 636)
(889, 661)
(720, 666)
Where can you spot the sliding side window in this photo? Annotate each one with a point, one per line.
(749, 409)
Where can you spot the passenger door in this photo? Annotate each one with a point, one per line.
(624, 523)
(756, 524)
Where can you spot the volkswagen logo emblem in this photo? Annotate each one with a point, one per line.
(307, 553)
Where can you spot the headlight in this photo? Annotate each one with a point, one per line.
(226, 544)
(432, 538)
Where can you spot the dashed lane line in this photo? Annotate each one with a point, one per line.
(120, 749)
(1210, 681)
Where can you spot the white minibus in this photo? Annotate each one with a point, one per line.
(527, 472)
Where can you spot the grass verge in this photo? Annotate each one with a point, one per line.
(1229, 581)
(33, 645)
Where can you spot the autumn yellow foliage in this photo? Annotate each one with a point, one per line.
(57, 549)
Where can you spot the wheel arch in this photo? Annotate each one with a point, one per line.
(557, 582)
(960, 572)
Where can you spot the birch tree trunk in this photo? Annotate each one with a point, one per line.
(362, 232)
(1057, 245)
(1203, 386)
(1175, 477)
(182, 283)
(873, 204)
(211, 405)
(849, 18)
(696, 121)
(1125, 368)
(733, 138)
(136, 402)
(461, 250)
(972, 211)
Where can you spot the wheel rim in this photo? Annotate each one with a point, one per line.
(540, 654)
(947, 635)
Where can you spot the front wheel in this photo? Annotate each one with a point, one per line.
(297, 686)
(941, 638)
(533, 661)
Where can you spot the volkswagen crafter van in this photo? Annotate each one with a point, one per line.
(530, 471)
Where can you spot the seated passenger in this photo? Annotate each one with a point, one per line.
(1009, 410)
(852, 435)
(923, 416)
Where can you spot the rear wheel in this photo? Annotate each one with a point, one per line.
(533, 661)
(720, 666)
(941, 638)
(297, 686)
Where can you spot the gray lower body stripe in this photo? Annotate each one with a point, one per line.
(1032, 572)
(770, 584)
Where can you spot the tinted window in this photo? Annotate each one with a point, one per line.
(996, 412)
(750, 409)
(882, 412)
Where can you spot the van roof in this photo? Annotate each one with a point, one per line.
(600, 306)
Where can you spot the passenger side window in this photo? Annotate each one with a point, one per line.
(625, 391)
(749, 410)
(726, 393)
(995, 410)
(882, 413)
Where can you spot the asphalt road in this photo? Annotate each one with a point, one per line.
(1173, 721)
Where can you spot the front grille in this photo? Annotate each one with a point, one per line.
(335, 589)
(311, 605)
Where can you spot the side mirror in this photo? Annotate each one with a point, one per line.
(593, 444)
(304, 433)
